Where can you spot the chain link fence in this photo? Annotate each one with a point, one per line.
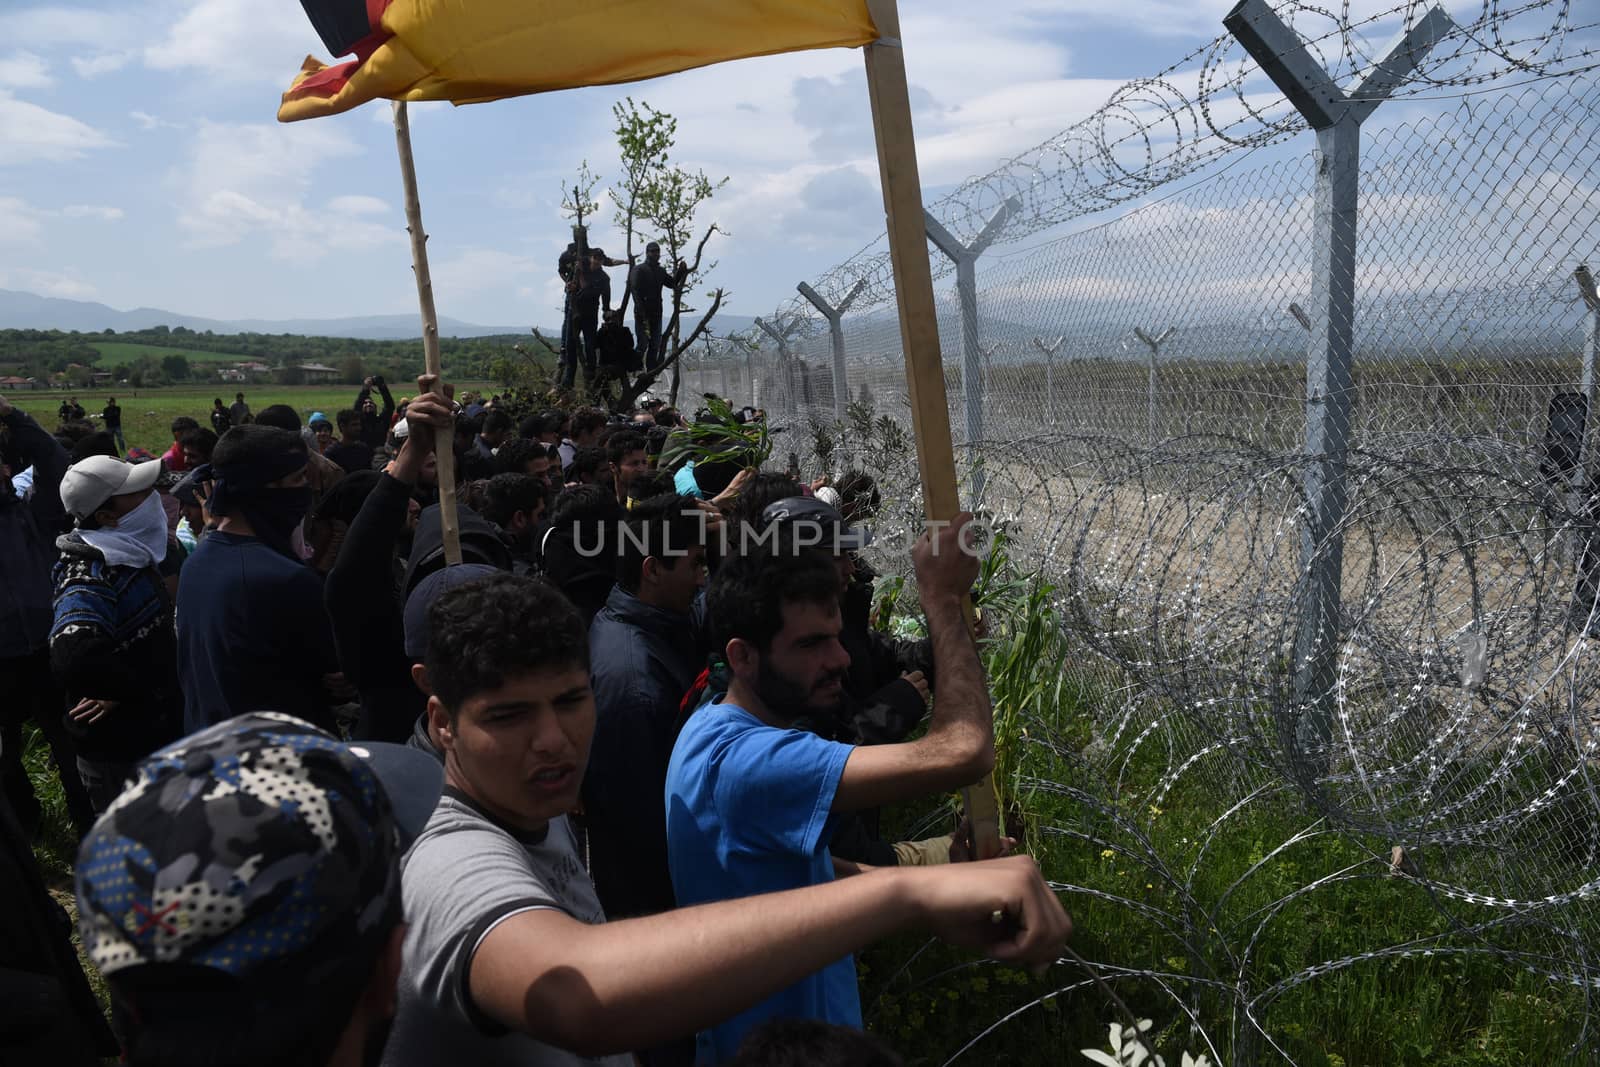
(1386, 617)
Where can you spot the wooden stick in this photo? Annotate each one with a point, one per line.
(919, 324)
(444, 449)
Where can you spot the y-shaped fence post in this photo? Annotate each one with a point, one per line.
(785, 369)
(749, 369)
(988, 351)
(1336, 115)
(1155, 344)
(965, 257)
(841, 383)
(1050, 351)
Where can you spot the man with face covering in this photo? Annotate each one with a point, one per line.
(112, 643)
(252, 630)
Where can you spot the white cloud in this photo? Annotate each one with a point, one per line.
(236, 40)
(19, 222)
(92, 211)
(45, 27)
(67, 286)
(100, 63)
(24, 70)
(476, 269)
(148, 121)
(358, 205)
(253, 182)
(30, 132)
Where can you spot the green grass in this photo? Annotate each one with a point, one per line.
(1182, 882)
(114, 352)
(147, 414)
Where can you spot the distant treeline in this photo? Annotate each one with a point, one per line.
(47, 354)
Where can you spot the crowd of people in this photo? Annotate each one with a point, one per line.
(604, 790)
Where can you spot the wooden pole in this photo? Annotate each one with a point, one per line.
(919, 323)
(443, 448)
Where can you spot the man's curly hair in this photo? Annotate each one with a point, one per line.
(484, 632)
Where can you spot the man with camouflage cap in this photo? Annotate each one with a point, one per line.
(242, 897)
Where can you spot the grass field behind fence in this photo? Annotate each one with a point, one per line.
(147, 414)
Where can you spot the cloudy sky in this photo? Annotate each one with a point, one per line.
(141, 164)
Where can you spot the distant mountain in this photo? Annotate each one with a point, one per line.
(29, 311)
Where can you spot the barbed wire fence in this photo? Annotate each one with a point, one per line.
(1335, 544)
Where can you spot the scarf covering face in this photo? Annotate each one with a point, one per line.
(139, 539)
(242, 488)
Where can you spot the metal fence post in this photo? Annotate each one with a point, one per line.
(988, 351)
(786, 375)
(965, 257)
(1336, 116)
(1155, 344)
(1050, 351)
(1591, 353)
(834, 314)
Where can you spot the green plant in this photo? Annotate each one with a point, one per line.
(718, 437)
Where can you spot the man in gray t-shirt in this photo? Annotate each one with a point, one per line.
(465, 875)
(508, 958)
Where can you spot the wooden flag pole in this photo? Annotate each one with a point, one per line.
(919, 324)
(444, 448)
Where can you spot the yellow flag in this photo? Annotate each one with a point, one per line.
(469, 51)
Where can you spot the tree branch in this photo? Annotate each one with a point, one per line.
(631, 392)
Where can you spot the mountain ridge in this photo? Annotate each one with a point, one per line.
(21, 310)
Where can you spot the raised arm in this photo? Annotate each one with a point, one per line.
(958, 748)
(387, 413)
(361, 606)
(631, 984)
(47, 458)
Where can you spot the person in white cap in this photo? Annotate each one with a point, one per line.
(113, 647)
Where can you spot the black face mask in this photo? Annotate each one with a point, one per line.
(274, 513)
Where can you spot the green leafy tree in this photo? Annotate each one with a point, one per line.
(351, 370)
(578, 202)
(175, 367)
(663, 199)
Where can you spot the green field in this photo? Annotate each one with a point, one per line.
(147, 414)
(114, 352)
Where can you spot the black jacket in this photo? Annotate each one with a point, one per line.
(28, 530)
(648, 279)
(642, 659)
(366, 611)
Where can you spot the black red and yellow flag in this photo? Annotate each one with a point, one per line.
(469, 51)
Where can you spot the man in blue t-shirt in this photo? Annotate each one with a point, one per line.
(752, 796)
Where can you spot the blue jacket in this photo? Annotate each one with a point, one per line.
(642, 659)
(28, 530)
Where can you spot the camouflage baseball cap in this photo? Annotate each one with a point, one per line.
(261, 848)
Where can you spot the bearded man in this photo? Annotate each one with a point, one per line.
(753, 797)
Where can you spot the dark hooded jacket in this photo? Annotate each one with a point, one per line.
(365, 608)
(585, 579)
(28, 532)
(642, 659)
(480, 543)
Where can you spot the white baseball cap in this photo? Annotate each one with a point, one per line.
(90, 482)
